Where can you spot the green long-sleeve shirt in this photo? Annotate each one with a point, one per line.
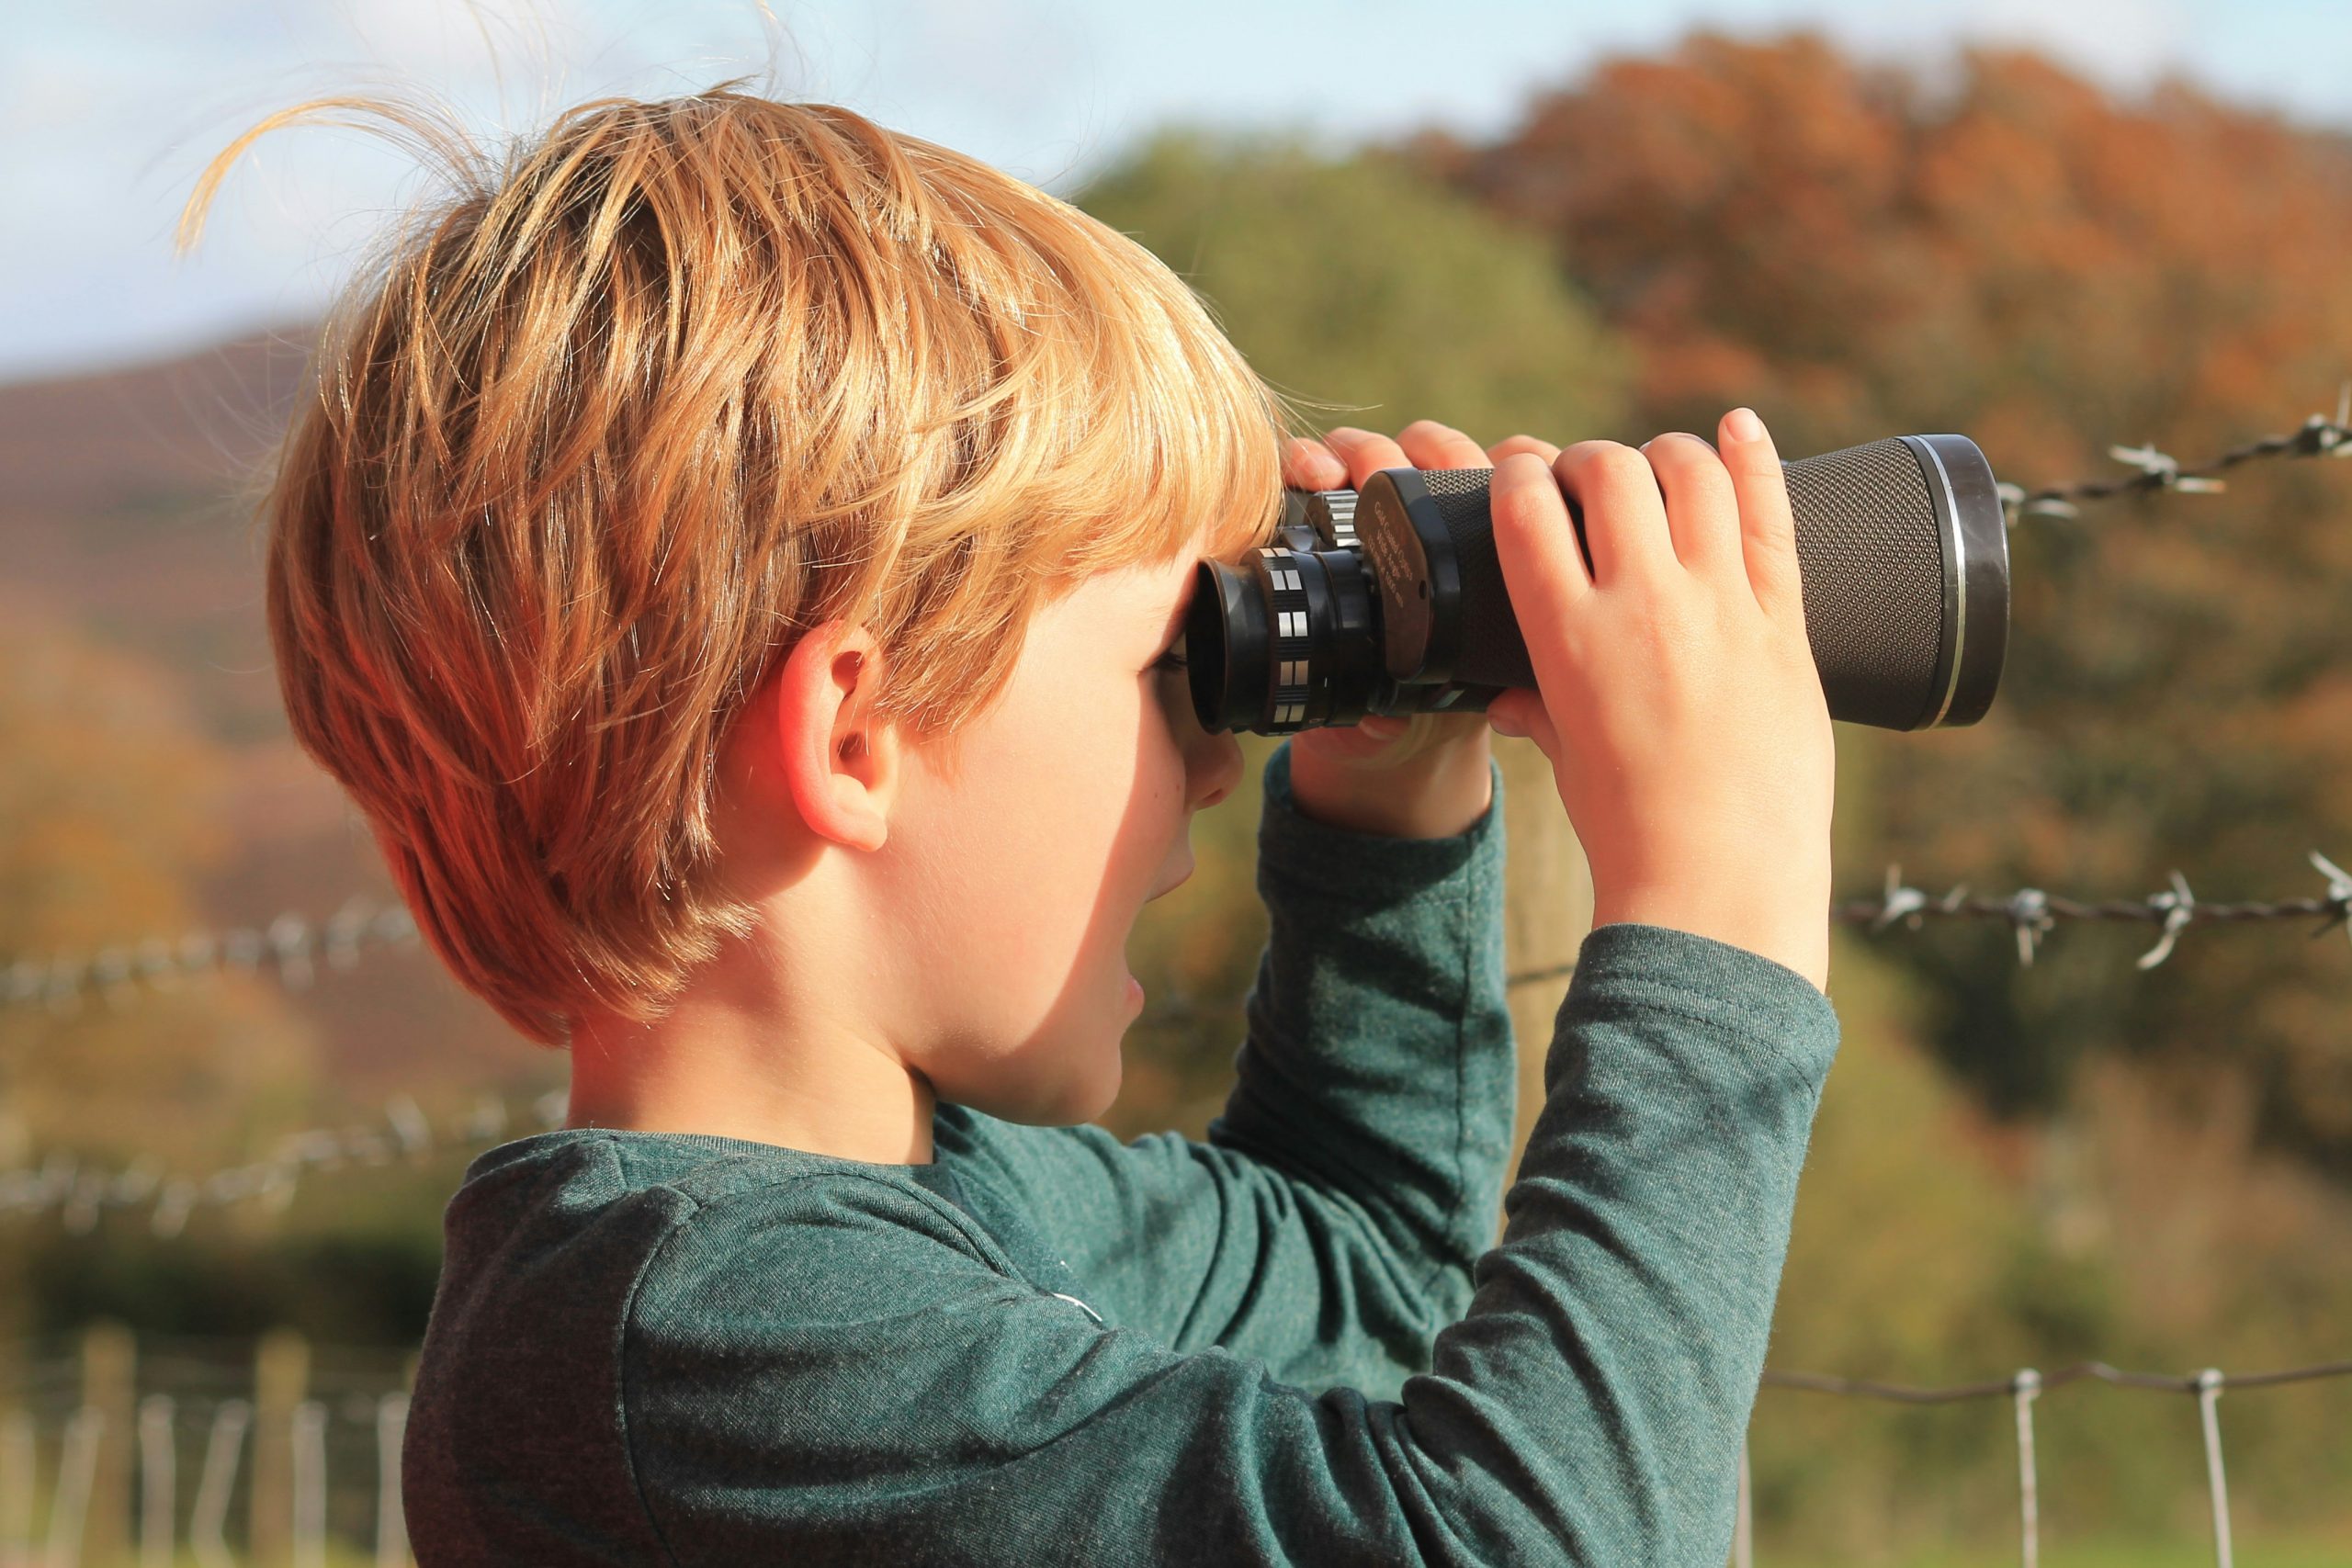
(1294, 1343)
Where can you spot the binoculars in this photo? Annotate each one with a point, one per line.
(1390, 599)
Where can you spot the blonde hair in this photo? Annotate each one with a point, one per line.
(589, 443)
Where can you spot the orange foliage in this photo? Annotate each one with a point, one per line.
(2015, 255)
(1772, 223)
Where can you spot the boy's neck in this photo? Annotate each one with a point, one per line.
(718, 1070)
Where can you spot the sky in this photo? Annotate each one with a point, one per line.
(110, 109)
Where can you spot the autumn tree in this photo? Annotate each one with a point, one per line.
(2012, 253)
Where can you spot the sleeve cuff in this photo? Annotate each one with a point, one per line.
(1730, 989)
(1365, 867)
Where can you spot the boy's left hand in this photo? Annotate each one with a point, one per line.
(1420, 777)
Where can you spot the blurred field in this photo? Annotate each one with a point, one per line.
(2121, 1554)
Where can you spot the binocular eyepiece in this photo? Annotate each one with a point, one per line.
(1390, 600)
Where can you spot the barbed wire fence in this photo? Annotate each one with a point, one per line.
(344, 1435)
(294, 945)
(293, 948)
(79, 1191)
(289, 1446)
(2022, 1389)
(2031, 912)
(2319, 437)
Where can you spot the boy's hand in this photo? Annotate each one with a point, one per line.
(1419, 777)
(1676, 698)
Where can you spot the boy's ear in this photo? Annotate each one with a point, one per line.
(840, 763)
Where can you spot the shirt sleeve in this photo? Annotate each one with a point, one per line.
(1329, 1224)
(843, 1373)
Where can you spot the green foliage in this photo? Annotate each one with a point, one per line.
(353, 1261)
(1359, 283)
(1355, 281)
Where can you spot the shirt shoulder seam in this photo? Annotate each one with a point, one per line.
(985, 1249)
(965, 1225)
(620, 1372)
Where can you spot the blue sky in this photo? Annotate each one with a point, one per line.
(109, 108)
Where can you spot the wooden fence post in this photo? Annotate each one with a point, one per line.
(109, 1386)
(281, 1381)
(158, 1480)
(1547, 909)
(310, 1485)
(18, 1480)
(392, 1430)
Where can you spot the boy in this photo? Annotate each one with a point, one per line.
(735, 562)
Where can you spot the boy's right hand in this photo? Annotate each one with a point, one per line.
(1677, 696)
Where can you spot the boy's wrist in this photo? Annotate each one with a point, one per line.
(1438, 794)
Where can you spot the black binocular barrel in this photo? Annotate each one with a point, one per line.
(1903, 545)
(1393, 598)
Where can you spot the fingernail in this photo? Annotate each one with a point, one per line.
(1742, 424)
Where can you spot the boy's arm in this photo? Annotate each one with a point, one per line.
(861, 1384)
(1329, 1224)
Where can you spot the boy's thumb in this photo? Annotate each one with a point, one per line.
(1520, 714)
(1503, 713)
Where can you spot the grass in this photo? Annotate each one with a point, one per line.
(2111, 1554)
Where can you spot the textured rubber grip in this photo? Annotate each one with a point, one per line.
(1876, 572)
(1875, 589)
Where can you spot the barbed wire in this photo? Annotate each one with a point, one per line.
(78, 1195)
(2024, 1387)
(293, 945)
(2032, 911)
(2029, 909)
(2081, 1372)
(79, 1191)
(2319, 437)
